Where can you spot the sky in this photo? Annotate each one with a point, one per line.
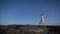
(28, 12)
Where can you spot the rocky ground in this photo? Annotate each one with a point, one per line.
(20, 29)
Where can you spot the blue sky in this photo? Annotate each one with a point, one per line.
(28, 11)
